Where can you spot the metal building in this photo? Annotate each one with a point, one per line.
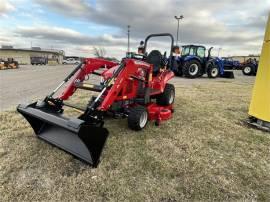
(23, 55)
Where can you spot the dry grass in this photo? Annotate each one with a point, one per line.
(206, 152)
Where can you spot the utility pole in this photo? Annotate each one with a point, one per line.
(128, 38)
(178, 20)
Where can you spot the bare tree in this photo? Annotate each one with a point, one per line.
(99, 52)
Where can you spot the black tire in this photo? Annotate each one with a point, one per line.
(176, 67)
(178, 73)
(167, 97)
(212, 70)
(192, 69)
(248, 70)
(137, 118)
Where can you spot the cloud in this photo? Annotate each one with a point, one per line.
(5, 40)
(71, 41)
(5, 7)
(212, 23)
(68, 36)
(67, 7)
(202, 21)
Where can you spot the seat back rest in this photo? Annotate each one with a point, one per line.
(155, 58)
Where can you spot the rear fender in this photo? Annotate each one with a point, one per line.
(160, 82)
(167, 76)
(218, 62)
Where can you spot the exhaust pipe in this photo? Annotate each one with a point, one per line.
(83, 140)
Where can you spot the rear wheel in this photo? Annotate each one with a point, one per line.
(167, 97)
(192, 69)
(178, 72)
(247, 70)
(137, 118)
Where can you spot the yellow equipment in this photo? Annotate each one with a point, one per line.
(9, 64)
(259, 109)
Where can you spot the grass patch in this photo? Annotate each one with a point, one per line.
(204, 153)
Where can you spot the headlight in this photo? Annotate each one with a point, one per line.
(102, 79)
(141, 73)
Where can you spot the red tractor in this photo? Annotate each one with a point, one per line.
(137, 88)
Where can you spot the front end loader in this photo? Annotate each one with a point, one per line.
(136, 88)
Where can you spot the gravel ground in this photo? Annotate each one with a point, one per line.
(34, 82)
(28, 83)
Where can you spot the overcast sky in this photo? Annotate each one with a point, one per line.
(77, 25)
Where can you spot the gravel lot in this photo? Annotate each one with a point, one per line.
(34, 82)
(28, 83)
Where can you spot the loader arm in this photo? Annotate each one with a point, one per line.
(121, 81)
(90, 65)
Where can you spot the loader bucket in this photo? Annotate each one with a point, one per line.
(228, 75)
(72, 135)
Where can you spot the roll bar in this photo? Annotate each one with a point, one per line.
(160, 35)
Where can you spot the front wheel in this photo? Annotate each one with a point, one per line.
(137, 118)
(212, 70)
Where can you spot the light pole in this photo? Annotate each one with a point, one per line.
(219, 51)
(128, 38)
(178, 19)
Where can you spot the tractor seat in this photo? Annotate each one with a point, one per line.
(155, 58)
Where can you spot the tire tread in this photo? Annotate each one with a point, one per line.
(163, 99)
(134, 117)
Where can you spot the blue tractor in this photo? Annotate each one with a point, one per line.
(229, 63)
(194, 63)
(250, 67)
